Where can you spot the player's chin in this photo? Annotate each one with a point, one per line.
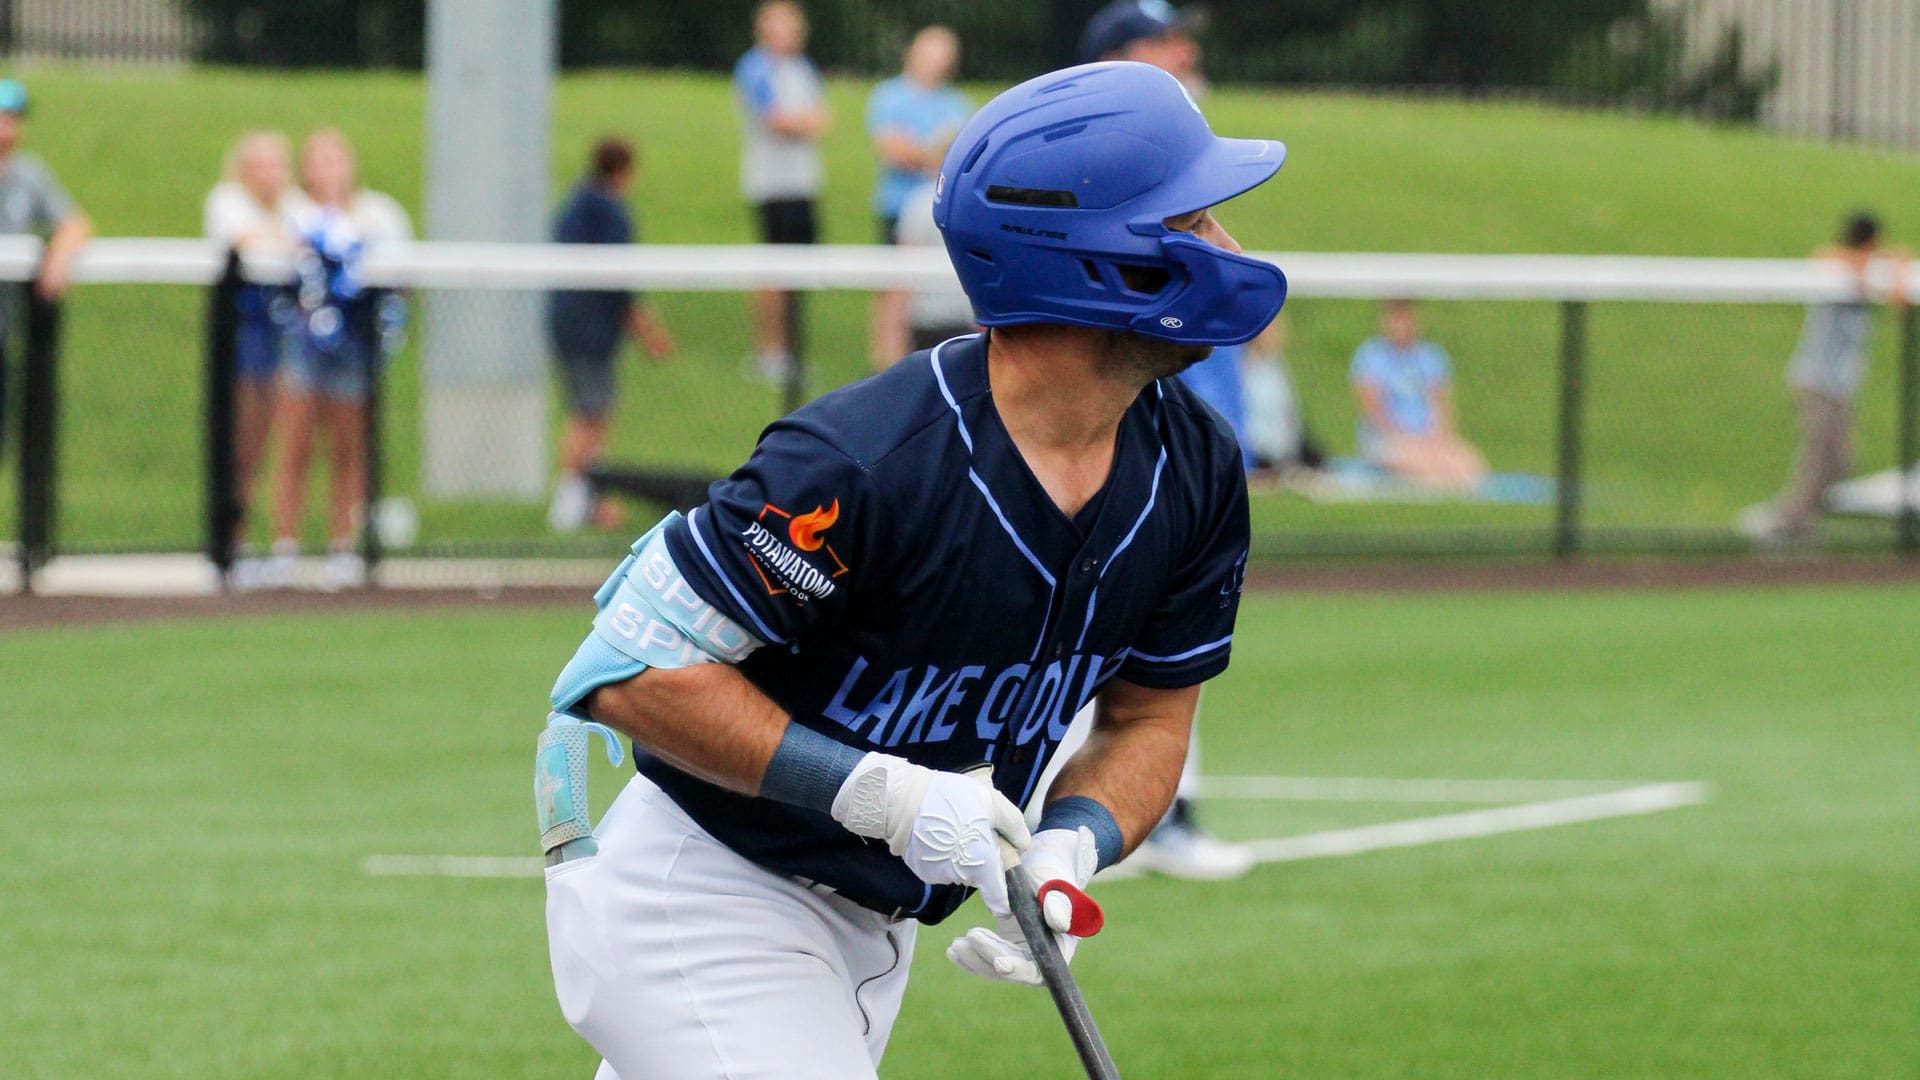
(1191, 355)
(1169, 358)
(1154, 358)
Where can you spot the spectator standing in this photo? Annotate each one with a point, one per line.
(1825, 375)
(1404, 388)
(343, 332)
(911, 119)
(1277, 434)
(783, 116)
(1154, 32)
(33, 202)
(250, 211)
(585, 327)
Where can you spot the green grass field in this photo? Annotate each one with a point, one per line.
(189, 805)
(1689, 420)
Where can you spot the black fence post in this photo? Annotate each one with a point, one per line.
(39, 415)
(224, 511)
(370, 483)
(1909, 517)
(1573, 356)
(796, 315)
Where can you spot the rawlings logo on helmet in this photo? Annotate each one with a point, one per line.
(1172, 322)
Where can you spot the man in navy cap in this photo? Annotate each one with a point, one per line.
(1154, 32)
(1150, 31)
(32, 201)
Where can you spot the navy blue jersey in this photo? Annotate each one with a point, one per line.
(922, 595)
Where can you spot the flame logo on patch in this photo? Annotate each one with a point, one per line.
(805, 529)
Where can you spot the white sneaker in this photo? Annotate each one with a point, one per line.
(1178, 847)
(571, 505)
(773, 367)
(248, 573)
(279, 569)
(345, 569)
(1759, 523)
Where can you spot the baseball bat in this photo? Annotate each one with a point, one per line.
(1023, 895)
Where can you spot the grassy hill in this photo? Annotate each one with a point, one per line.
(1688, 417)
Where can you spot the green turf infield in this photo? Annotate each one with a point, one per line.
(189, 805)
(1688, 416)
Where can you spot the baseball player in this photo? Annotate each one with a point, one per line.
(920, 572)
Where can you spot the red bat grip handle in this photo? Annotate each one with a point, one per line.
(1087, 916)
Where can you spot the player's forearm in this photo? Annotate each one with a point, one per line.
(74, 230)
(1131, 763)
(798, 124)
(901, 152)
(1374, 407)
(63, 245)
(706, 720)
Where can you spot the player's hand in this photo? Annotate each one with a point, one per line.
(657, 341)
(1056, 855)
(53, 280)
(946, 826)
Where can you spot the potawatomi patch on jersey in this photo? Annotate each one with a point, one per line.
(791, 553)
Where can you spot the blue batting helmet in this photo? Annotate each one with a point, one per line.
(1053, 200)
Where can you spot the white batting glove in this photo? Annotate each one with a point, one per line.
(1067, 855)
(946, 826)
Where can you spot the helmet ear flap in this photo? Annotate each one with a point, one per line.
(1226, 299)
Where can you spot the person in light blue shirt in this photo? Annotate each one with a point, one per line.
(1403, 386)
(910, 118)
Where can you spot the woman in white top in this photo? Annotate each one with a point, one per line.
(342, 333)
(248, 210)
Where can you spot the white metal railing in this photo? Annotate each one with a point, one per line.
(724, 267)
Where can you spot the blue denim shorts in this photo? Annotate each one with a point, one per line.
(341, 375)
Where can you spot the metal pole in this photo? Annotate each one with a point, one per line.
(794, 394)
(39, 407)
(1573, 350)
(1838, 122)
(1909, 520)
(483, 376)
(224, 511)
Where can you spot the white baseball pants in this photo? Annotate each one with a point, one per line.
(678, 959)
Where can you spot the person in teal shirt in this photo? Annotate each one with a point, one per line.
(911, 118)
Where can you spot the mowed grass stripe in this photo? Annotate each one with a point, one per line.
(181, 891)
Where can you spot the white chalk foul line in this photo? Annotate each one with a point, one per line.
(1384, 789)
(1647, 799)
(1412, 832)
(468, 866)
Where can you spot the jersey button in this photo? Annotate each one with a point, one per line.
(1087, 564)
(1059, 649)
